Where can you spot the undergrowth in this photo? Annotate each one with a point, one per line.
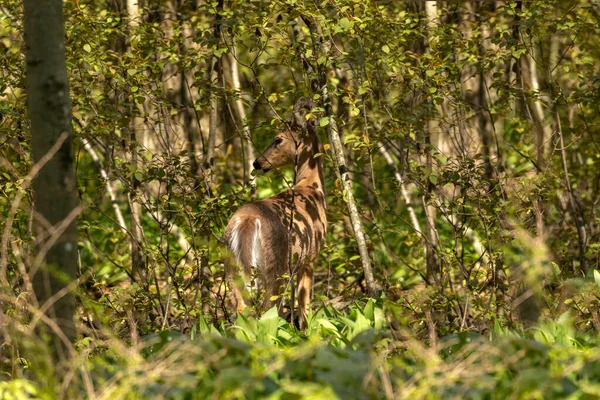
(351, 355)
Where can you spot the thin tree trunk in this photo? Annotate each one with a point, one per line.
(55, 186)
(411, 211)
(214, 74)
(214, 114)
(241, 114)
(576, 212)
(138, 269)
(109, 189)
(172, 228)
(355, 218)
(133, 12)
(340, 163)
(434, 269)
(543, 130)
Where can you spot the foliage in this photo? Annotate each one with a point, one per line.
(488, 114)
(337, 359)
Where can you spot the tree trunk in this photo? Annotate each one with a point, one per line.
(340, 160)
(440, 141)
(55, 186)
(214, 75)
(241, 115)
(214, 114)
(411, 211)
(359, 234)
(138, 267)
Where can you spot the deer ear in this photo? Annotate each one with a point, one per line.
(304, 106)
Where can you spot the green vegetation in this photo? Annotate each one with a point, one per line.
(470, 146)
(339, 356)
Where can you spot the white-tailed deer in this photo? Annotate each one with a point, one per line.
(264, 234)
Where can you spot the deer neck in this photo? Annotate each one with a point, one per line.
(309, 172)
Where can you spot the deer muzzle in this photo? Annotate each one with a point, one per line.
(261, 164)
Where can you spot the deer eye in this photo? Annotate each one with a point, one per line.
(278, 141)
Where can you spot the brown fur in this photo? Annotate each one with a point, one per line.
(262, 232)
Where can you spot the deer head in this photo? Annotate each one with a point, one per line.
(288, 144)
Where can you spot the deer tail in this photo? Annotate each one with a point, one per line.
(244, 240)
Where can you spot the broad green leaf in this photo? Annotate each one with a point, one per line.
(325, 323)
(269, 322)
(369, 310)
(345, 24)
(597, 277)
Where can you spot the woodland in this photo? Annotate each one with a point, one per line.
(459, 153)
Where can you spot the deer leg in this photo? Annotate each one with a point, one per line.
(238, 298)
(305, 281)
(272, 295)
(233, 281)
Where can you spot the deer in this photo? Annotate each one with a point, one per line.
(282, 234)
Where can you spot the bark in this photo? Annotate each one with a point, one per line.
(411, 211)
(340, 159)
(138, 267)
(521, 109)
(54, 187)
(542, 122)
(542, 127)
(519, 106)
(355, 218)
(249, 155)
(215, 71)
(582, 236)
(482, 133)
(133, 11)
(214, 114)
(109, 188)
(137, 132)
(434, 269)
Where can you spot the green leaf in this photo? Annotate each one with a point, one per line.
(379, 318)
(219, 52)
(324, 121)
(386, 49)
(205, 327)
(87, 48)
(345, 24)
(245, 329)
(433, 179)
(369, 310)
(325, 323)
(430, 72)
(269, 322)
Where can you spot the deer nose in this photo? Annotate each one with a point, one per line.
(256, 165)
